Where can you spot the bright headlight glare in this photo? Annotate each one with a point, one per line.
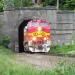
(39, 28)
(45, 38)
(34, 38)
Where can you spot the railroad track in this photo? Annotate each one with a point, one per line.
(52, 54)
(42, 60)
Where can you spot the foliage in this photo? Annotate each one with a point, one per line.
(8, 4)
(27, 3)
(22, 3)
(62, 49)
(5, 52)
(69, 4)
(63, 4)
(65, 68)
(17, 3)
(49, 2)
(9, 67)
(1, 5)
(5, 40)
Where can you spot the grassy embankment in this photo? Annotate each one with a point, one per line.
(64, 49)
(8, 67)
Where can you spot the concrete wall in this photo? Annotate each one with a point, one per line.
(62, 23)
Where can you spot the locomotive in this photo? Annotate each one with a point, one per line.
(37, 36)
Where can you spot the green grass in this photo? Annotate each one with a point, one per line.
(9, 67)
(65, 49)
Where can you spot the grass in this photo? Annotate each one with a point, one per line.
(64, 49)
(9, 67)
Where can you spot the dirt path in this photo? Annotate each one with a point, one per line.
(42, 61)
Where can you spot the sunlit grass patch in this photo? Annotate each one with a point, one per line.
(64, 49)
(7, 67)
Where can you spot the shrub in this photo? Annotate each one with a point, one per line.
(62, 49)
(22, 3)
(5, 41)
(49, 2)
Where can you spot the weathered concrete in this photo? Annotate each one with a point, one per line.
(62, 23)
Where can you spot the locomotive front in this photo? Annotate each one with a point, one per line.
(38, 36)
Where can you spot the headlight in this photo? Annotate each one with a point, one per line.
(39, 28)
(34, 38)
(45, 38)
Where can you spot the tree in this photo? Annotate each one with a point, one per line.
(69, 4)
(1, 5)
(63, 4)
(49, 2)
(17, 3)
(8, 4)
(22, 3)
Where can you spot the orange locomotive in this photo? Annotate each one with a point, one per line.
(37, 36)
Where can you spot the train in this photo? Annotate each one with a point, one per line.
(37, 36)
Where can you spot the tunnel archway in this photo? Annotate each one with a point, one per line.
(21, 34)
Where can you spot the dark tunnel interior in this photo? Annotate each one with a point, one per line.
(21, 34)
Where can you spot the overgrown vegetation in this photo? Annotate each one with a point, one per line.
(4, 40)
(22, 3)
(63, 4)
(9, 67)
(67, 4)
(1, 5)
(49, 2)
(64, 49)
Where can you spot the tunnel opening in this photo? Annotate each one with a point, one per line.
(21, 34)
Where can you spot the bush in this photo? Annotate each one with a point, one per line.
(5, 41)
(1, 5)
(22, 3)
(62, 49)
(49, 2)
